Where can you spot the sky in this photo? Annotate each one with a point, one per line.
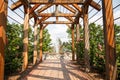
(58, 30)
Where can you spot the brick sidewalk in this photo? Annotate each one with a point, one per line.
(57, 69)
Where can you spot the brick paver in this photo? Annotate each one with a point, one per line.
(57, 69)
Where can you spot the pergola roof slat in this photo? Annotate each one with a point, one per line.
(57, 22)
(33, 8)
(95, 5)
(56, 1)
(44, 8)
(16, 5)
(69, 8)
(56, 15)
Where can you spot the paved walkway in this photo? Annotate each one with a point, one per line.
(57, 69)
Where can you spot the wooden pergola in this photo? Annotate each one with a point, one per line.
(78, 9)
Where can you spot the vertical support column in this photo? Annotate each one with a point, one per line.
(35, 45)
(77, 40)
(25, 42)
(73, 45)
(56, 10)
(41, 42)
(86, 40)
(109, 40)
(3, 22)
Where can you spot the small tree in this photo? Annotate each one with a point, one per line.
(14, 48)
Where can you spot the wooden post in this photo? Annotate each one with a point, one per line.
(73, 45)
(86, 39)
(77, 41)
(35, 45)
(25, 42)
(3, 22)
(109, 40)
(41, 41)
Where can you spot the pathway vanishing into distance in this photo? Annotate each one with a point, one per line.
(57, 67)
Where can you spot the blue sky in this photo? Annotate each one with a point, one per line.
(59, 31)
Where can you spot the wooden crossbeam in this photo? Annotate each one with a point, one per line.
(44, 8)
(56, 15)
(57, 22)
(33, 15)
(45, 26)
(86, 3)
(25, 2)
(69, 8)
(42, 19)
(93, 4)
(16, 5)
(77, 7)
(56, 1)
(76, 20)
(70, 19)
(68, 26)
(67, 17)
(34, 8)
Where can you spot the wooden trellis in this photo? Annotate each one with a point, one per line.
(77, 12)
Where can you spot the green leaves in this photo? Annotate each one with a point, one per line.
(46, 40)
(13, 52)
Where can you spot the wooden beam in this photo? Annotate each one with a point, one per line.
(69, 8)
(42, 19)
(77, 32)
(16, 5)
(68, 26)
(25, 5)
(73, 45)
(56, 1)
(44, 8)
(95, 5)
(56, 10)
(76, 20)
(33, 15)
(41, 42)
(45, 26)
(57, 22)
(109, 40)
(77, 41)
(86, 40)
(77, 7)
(35, 45)
(70, 19)
(79, 14)
(34, 8)
(25, 42)
(56, 15)
(3, 22)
